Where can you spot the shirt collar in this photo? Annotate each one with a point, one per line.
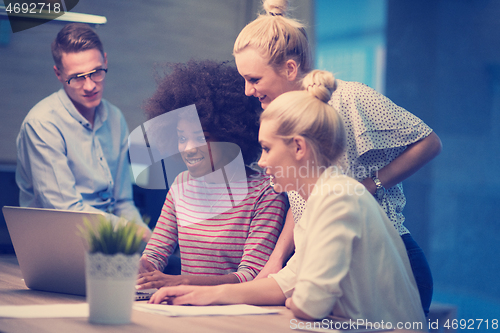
(101, 113)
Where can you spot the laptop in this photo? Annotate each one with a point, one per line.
(49, 248)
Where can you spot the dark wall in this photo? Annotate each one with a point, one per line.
(9, 196)
(443, 60)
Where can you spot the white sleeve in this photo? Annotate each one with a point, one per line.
(325, 252)
(287, 277)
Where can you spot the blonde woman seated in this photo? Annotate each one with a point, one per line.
(349, 260)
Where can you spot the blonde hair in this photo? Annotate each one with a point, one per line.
(307, 113)
(277, 37)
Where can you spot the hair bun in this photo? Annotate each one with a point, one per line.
(320, 84)
(275, 7)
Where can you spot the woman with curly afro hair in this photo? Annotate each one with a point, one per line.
(224, 216)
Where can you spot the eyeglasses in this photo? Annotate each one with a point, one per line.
(97, 75)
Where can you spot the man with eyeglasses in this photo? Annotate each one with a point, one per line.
(72, 149)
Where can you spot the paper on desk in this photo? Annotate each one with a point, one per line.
(45, 311)
(212, 310)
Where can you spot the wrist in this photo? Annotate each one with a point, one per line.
(184, 280)
(379, 187)
(369, 185)
(221, 293)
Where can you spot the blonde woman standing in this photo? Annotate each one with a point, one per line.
(385, 143)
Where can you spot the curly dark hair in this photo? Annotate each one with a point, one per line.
(218, 91)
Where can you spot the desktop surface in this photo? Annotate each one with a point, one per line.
(13, 291)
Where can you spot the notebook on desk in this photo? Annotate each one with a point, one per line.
(49, 248)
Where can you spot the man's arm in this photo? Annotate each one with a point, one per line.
(125, 206)
(42, 158)
(44, 175)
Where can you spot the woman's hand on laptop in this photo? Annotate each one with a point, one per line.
(157, 279)
(149, 277)
(145, 266)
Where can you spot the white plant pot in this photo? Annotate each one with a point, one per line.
(110, 283)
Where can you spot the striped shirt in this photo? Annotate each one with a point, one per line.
(219, 229)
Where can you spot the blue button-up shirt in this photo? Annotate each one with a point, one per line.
(65, 163)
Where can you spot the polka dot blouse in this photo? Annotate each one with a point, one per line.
(377, 131)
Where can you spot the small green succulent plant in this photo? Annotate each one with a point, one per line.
(109, 239)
